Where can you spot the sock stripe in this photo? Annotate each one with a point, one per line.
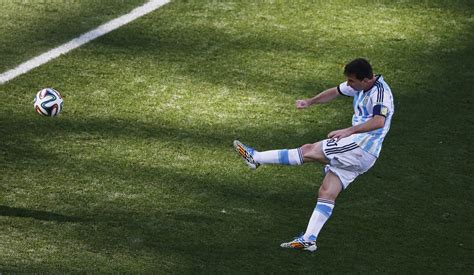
(300, 154)
(283, 157)
(326, 201)
(324, 209)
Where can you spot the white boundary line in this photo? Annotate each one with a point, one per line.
(81, 40)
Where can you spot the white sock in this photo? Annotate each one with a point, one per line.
(284, 156)
(321, 214)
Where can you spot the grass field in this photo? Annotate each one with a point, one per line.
(138, 173)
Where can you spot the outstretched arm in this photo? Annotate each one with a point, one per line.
(323, 97)
(374, 123)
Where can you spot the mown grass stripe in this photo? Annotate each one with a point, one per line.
(81, 40)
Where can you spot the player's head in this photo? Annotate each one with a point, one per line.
(359, 74)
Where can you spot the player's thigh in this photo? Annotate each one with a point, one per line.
(314, 152)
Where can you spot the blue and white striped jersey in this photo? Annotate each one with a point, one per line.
(379, 99)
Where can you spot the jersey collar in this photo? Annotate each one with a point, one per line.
(377, 77)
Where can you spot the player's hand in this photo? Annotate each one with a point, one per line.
(302, 103)
(338, 134)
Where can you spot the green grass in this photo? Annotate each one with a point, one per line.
(138, 173)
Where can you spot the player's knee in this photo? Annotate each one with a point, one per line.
(323, 191)
(326, 192)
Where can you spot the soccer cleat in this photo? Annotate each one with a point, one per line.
(301, 243)
(246, 153)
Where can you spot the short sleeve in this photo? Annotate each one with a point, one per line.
(382, 102)
(346, 90)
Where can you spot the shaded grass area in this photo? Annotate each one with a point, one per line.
(138, 174)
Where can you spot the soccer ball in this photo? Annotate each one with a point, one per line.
(48, 102)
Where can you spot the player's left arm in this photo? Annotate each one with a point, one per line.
(376, 122)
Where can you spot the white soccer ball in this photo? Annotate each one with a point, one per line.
(48, 102)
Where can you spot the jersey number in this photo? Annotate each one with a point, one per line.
(331, 143)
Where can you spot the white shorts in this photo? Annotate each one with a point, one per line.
(346, 159)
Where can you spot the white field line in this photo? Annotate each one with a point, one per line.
(81, 40)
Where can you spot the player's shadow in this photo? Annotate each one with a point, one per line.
(7, 211)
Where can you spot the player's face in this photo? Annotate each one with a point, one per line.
(355, 83)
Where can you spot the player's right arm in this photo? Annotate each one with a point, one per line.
(320, 98)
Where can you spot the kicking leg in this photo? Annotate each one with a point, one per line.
(297, 156)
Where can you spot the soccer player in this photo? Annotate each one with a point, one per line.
(346, 153)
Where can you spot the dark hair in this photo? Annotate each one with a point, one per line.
(360, 68)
